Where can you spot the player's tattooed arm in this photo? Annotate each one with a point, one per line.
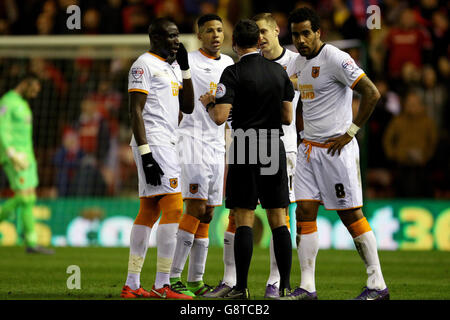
(369, 98)
(136, 104)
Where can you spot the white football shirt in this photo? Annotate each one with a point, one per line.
(326, 82)
(152, 75)
(205, 72)
(288, 61)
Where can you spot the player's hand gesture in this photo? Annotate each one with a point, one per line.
(338, 143)
(207, 98)
(152, 169)
(182, 57)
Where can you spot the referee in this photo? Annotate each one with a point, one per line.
(260, 93)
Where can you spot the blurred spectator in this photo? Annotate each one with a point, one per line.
(424, 11)
(410, 79)
(67, 161)
(434, 96)
(91, 21)
(406, 43)
(410, 142)
(136, 16)
(345, 22)
(387, 107)
(45, 24)
(93, 133)
(111, 11)
(392, 11)
(440, 36)
(9, 14)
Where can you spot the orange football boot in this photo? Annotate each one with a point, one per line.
(167, 292)
(129, 293)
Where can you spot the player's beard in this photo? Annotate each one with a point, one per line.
(171, 58)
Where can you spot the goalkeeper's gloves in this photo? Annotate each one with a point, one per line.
(182, 57)
(151, 168)
(18, 159)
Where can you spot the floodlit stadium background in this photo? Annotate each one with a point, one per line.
(88, 182)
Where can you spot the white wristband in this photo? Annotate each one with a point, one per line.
(144, 149)
(353, 130)
(186, 73)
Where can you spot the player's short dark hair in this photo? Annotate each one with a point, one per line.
(305, 14)
(246, 33)
(207, 17)
(157, 27)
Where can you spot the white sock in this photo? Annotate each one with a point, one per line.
(138, 249)
(307, 250)
(197, 260)
(366, 244)
(166, 242)
(274, 276)
(229, 272)
(185, 241)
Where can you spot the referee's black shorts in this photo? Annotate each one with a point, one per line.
(246, 185)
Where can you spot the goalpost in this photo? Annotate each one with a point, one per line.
(80, 118)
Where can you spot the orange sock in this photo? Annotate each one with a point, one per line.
(306, 227)
(189, 223)
(202, 231)
(231, 224)
(359, 227)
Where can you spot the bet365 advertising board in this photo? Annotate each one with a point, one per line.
(398, 224)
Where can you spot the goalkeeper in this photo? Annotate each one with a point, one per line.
(17, 157)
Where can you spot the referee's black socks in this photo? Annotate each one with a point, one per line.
(282, 247)
(243, 250)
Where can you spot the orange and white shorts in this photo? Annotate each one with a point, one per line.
(167, 159)
(333, 180)
(202, 171)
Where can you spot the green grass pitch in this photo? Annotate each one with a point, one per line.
(340, 275)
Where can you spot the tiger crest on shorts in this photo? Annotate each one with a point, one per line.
(193, 188)
(173, 183)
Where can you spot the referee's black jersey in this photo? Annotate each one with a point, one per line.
(256, 88)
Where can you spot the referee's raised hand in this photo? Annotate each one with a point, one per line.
(207, 98)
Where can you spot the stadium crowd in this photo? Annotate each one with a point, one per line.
(81, 125)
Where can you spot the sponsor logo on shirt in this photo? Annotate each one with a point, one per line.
(348, 65)
(212, 87)
(175, 88)
(137, 72)
(307, 91)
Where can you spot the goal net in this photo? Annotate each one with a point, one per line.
(80, 119)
